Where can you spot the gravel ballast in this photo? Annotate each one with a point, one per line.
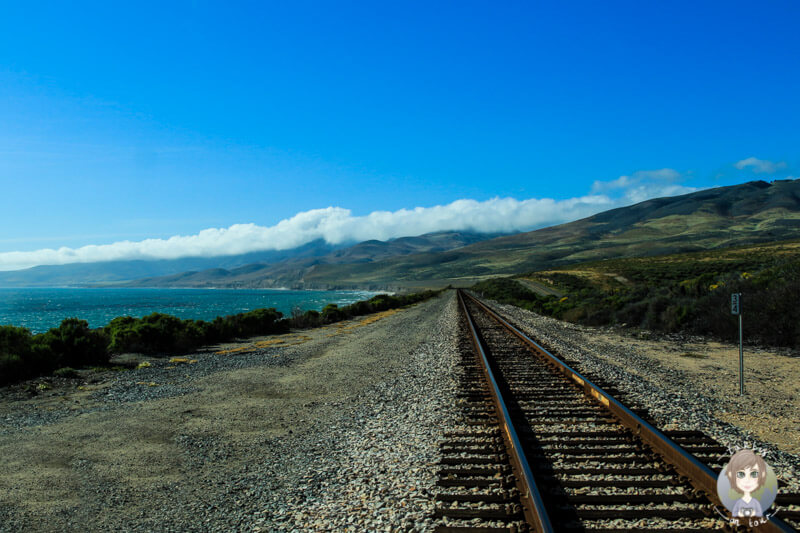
(691, 398)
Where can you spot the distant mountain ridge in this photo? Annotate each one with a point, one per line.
(749, 213)
(290, 272)
(120, 271)
(205, 271)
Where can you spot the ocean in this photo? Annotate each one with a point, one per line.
(40, 309)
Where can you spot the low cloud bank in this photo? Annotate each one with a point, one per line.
(337, 225)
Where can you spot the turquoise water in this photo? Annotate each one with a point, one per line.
(42, 309)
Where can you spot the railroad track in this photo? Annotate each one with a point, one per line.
(547, 449)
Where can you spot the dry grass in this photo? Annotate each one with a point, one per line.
(350, 326)
(289, 339)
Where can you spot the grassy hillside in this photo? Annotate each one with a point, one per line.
(672, 293)
(711, 219)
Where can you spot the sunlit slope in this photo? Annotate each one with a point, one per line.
(717, 218)
(714, 218)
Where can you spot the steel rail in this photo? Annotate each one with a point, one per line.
(699, 475)
(533, 504)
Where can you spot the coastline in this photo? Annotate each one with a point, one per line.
(41, 308)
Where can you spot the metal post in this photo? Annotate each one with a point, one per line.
(736, 309)
(741, 359)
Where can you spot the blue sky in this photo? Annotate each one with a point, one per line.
(148, 121)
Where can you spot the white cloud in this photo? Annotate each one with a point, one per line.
(337, 225)
(643, 184)
(621, 182)
(333, 224)
(760, 166)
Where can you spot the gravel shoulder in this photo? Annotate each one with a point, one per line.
(327, 429)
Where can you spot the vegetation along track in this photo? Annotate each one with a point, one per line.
(549, 449)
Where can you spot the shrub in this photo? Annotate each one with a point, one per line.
(21, 356)
(307, 319)
(166, 334)
(332, 313)
(157, 333)
(673, 296)
(75, 345)
(256, 322)
(15, 353)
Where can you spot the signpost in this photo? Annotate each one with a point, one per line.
(736, 309)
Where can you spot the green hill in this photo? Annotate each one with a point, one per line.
(687, 293)
(750, 213)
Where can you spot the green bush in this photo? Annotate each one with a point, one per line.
(151, 334)
(332, 313)
(24, 356)
(691, 297)
(310, 319)
(160, 333)
(74, 344)
(256, 322)
(17, 359)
